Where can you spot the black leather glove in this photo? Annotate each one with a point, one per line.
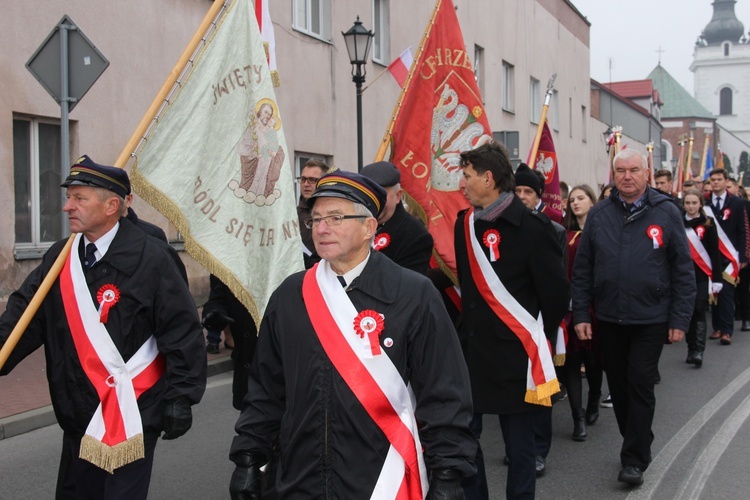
(445, 484)
(216, 321)
(245, 483)
(176, 417)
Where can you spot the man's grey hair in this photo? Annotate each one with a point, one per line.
(626, 154)
(360, 209)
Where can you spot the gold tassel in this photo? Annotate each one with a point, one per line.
(558, 359)
(275, 79)
(730, 279)
(108, 457)
(542, 395)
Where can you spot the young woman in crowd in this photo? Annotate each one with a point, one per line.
(704, 247)
(580, 201)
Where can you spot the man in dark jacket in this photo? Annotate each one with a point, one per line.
(308, 179)
(358, 373)
(729, 212)
(122, 340)
(633, 264)
(401, 237)
(514, 294)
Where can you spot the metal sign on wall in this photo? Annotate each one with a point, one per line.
(85, 63)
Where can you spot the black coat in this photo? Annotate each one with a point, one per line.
(531, 268)
(618, 270)
(330, 447)
(710, 242)
(156, 232)
(734, 223)
(410, 244)
(244, 333)
(154, 301)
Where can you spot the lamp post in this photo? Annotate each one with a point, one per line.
(358, 40)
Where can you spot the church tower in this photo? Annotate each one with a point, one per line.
(721, 67)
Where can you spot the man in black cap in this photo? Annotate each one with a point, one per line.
(401, 236)
(358, 374)
(530, 187)
(123, 342)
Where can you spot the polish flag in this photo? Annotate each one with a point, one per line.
(400, 67)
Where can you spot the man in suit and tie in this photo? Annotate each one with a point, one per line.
(729, 212)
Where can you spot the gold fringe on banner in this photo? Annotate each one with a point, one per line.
(163, 204)
(558, 359)
(110, 458)
(542, 395)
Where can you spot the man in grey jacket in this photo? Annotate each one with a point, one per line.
(634, 265)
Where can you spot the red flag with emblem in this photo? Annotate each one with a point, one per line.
(439, 115)
(546, 163)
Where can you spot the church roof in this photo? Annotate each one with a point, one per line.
(678, 103)
(724, 24)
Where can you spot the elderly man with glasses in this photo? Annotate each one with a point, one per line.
(358, 376)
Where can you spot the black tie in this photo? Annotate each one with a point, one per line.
(90, 258)
(342, 281)
(718, 204)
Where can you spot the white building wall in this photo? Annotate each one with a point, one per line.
(143, 39)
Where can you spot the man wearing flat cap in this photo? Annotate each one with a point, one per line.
(358, 374)
(400, 236)
(122, 339)
(530, 187)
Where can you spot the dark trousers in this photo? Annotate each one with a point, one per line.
(518, 434)
(722, 313)
(743, 294)
(631, 358)
(78, 479)
(542, 431)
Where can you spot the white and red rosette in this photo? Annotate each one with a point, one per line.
(491, 240)
(725, 214)
(656, 234)
(382, 240)
(370, 323)
(107, 296)
(700, 231)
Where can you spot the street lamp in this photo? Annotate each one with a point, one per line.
(358, 40)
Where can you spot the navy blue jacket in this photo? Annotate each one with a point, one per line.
(618, 269)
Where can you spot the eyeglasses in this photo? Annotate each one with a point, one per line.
(308, 180)
(331, 220)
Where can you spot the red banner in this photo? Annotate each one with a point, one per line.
(441, 115)
(546, 163)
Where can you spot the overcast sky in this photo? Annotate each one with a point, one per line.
(629, 34)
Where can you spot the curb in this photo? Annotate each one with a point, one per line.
(28, 421)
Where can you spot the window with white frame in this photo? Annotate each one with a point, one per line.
(301, 158)
(37, 176)
(381, 47)
(535, 102)
(508, 89)
(313, 17)
(584, 121)
(479, 69)
(555, 111)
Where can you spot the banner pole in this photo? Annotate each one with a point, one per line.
(54, 272)
(540, 127)
(387, 137)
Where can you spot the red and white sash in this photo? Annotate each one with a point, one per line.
(541, 381)
(373, 379)
(698, 251)
(732, 271)
(114, 437)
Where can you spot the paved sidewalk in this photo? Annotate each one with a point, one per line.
(24, 393)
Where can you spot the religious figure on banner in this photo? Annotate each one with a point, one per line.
(454, 129)
(261, 157)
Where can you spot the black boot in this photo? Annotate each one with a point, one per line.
(592, 409)
(579, 425)
(700, 344)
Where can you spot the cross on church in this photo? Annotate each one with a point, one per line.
(660, 51)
